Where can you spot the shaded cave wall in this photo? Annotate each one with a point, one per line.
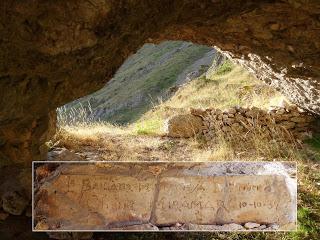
(52, 52)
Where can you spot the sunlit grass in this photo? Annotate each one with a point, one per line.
(143, 140)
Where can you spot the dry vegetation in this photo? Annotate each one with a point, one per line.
(229, 86)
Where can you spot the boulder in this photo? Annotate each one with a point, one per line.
(184, 125)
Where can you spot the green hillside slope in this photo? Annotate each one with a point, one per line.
(227, 86)
(142, 80)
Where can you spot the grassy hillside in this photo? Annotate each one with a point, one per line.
(142, 80)
(225, 87)
(229, 85)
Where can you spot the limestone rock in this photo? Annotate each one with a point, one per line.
(261, 227)
(140, 227)
(63, 154)
(232, 227)
(273, 227)
(42, 225)
(100, 200)
(250, 225)
(186, 125)
(225, 227)
(183, 205)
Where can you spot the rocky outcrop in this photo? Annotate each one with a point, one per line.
(239, 124)
(52, 52)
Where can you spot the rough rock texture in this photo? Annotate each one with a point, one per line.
(63, 154)
(70, 235)
(225, 227)
(131, 196)
(140, 227)
(250, 225)
(15, 191)
(184, 125)
(52, 52)
(237, 123)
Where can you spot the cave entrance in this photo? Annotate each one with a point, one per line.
(143, 112)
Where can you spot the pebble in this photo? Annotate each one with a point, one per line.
(251, 225)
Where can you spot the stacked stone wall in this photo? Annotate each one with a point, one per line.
(290, 123)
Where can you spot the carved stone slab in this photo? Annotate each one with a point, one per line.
(78, 196)
(224, 199)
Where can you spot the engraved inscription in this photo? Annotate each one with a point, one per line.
(115, 197)
(100, 200)
(219, 199)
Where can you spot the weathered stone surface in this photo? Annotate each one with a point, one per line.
(129, 196)
(185, 125)
(15, 191)
(223, 199)
(225, 227)
(285, 124)
(14, 203)
(63, 154)
(71, 235)
(86, 199)
(251, 225)
(140, 227)
(54, 52)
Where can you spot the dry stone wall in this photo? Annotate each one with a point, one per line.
(286, 123)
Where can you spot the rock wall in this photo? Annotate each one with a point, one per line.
(283, 123)
(52, 52)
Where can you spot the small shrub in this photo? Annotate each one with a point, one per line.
(226, 67)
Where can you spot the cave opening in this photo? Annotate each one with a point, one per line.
(182, 101)
(55, 52)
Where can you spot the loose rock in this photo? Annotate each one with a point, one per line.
(251, 225)
(186, 125)
(63, 154)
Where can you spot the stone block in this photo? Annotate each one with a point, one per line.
(148, 196)
(224, 199)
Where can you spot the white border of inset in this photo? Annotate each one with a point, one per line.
(160, 231)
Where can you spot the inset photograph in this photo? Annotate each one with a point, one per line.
(163, 196)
